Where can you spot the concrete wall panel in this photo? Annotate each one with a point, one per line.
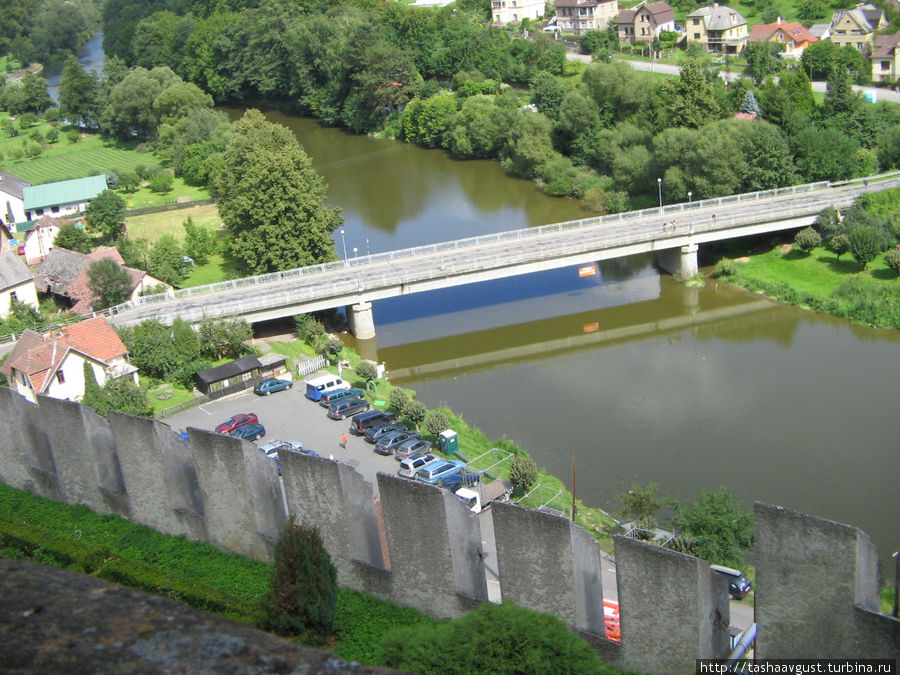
(16, 424)
(673, 608)
(587, 582)
(466, 550)
(535, 560)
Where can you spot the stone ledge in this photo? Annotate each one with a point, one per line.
(54, 620)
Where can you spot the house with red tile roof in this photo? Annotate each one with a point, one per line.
(52, 364)
(644, 21)
(793, 37)
(64, 273)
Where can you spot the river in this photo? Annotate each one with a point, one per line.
(637, 376)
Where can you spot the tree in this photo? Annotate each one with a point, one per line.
(829, 222)
(108, 282)
(106, 214)
(220, 338)
(750, 104)
(161, 182)
(500, 639)
(166, 260)
(641, 502)
(308, 328)
(366, 371)
(528, 145)
(399, 399)
(303, 589)
(93, 396)
(691, 99)
(839, 244)
(768, 162)
(332, 348)
(865, 244)
(721, 529)
(436, 423)
(34, 93)
(810, 10)
(547, 92)
(123, 395)
(415, 411)
(272, 200)
(150, 346)
(807, 239)
(129, 181)
(199, 242)
(763, 59)
(78, 95)
(523, 472)
(73, 238)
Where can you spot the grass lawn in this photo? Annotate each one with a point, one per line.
(153, 225)
(818, 273)
(210, 273)
(143, 197)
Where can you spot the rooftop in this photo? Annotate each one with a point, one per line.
(12, 270)
(63, 192)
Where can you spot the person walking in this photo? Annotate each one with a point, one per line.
(344, 441)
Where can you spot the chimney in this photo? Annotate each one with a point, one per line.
(778, 21)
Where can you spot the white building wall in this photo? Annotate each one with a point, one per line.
(513, 11)
(38, 243)
(59, 210)
(25, 292)
(9, 203)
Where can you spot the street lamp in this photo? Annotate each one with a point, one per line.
(344, 242)
(690, 219)
(354, 252)
(368, 252)
(659, 182)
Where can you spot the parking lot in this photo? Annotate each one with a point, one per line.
(290, 416)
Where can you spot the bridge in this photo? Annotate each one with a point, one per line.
(674, 232)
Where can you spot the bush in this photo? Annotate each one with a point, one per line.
(366, 371)
(415, 412)
(726, 267)
(892, 259)
(308, 328)
(496, 639)
(523, 472)
(303, 589)
(807, 239)
(865, 244)
(52, 135)
(161, 182)
(839, 244)
(399, 399)
(73, 135)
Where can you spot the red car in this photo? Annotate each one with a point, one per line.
(236, 421)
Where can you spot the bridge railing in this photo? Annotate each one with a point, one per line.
(469, 241)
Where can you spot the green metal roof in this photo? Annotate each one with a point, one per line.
(64, 192)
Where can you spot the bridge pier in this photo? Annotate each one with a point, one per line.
(680, 262)
(361, 320)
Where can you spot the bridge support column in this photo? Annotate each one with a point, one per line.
(681, 262)
(361, 320)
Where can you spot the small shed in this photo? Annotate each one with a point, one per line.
(229, 377)
(273, 365)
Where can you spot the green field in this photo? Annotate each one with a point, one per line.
(86, 158)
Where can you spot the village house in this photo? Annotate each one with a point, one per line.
(886, 58)
(52, 364)
(718, 28)
(792, 36)
(62, 198)
(856, 27)
(513, 11)
(580, 16)
(37, 239)
(644, 22)
(16, 283)
(12, 205)
(64, 273)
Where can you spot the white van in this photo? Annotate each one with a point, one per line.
(319, 386)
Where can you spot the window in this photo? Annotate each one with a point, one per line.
(12, 297)
(60, 377)
(859, 46)
(39, 212)
(885, 65)
(696, 36)
(54, 209)
(695, 22)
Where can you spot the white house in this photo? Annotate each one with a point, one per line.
(53, 364)
(513, 11)
(16, 283)
(12, 206)
(38, 237)
(62, 198)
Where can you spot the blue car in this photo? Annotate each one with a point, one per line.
(252, 432)
(270, 384)
(439, 469)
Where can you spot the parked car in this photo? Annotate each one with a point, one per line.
(270, 384)
(738, 584)
(347, 407)
(235, 421)
(272, 448)
(372, 418)
(252, 432)
(374, 433)
(317, 387)
(390, 442)
(439, 469)
(415, 446)
(410, 465)
(459, 480)
(333, 396)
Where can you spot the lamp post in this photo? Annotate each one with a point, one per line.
(344, 242)
(368, 252)
(896, 557)
(354, 252)
(690, 219)
(659, 183)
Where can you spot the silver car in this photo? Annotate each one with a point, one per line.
(415, 446)
(410, 465)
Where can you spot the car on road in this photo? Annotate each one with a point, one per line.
(371, 418)
(252, 432)
(459, 480)
(272, 448)
(334, 396)
(235, 421)
(347, 407)
(410, 465)
(374, 433)
(415, 446)
(439, 469)
(738, 584)
(317, 387)
(390, 442)
(271, 384)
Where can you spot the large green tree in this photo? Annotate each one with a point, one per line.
(78, 94)
(106, 214)
(720, 529)
(109, 283)
(272, 200)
